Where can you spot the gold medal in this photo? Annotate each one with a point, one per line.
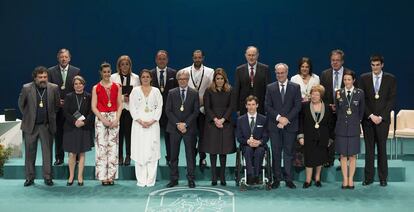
(376, 96)
(62, 87)
(182, 108)
(147, 110)
(109, 104)
(162, 89)
(317, 126)
(41, 103)
(349, 111)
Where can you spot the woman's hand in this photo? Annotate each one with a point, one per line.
(301, 141)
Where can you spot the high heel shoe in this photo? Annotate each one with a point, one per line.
(307, 185)
(213, 183)
(80, 183)
(69, 183)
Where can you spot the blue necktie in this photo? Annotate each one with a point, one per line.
(162, 79)
(376, 86)
(282, 92)
(183, 95)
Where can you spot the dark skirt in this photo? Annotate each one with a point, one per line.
(77, 140)
(347, 146)
(218, 141)
(315, 154)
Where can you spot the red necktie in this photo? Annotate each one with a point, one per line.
(251, 76)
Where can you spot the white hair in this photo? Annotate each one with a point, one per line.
(182, 72)
(282, 64)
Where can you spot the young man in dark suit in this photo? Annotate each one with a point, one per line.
(251, 78)
(182, 109)
(380, 90)
(252, 135)
(164, 78)
(62, 75)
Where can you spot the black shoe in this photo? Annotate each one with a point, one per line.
(80, 183)
(383, 183)
(318, 184)
(351, 187)
(58, 162)
(251, 180)
(367, 182)
(344, 187)
(275, 184)
(172, 183)
(223, 183)
(290, 184)
(69, 183)
(213, 183)
(328, 164)
(307, 185)
(191, 184)
(121, 161)
(49, 182)
(127, 161)
(28, 183)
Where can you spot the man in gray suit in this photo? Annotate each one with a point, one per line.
(182, 109)
(38, 103)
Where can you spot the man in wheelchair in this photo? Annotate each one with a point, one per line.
(252, 135)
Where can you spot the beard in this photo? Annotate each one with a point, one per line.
(41, 84)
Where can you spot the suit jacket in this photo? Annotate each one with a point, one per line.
(290, 108)
(243, 89)
(326, 79)
(188, 116)
(349, 125)
(28, 105)
(243, 131)
(387, 92)
(71, 106)
(55, 76)
(171, 83)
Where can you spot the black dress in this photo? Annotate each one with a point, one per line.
(316, 139)
(78, 140)
(218, 141)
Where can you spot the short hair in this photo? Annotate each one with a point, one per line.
(282, 64)
(181, 72)
(339, 52)
(252, 98)
(104, 65)
(251, 47)
(39, 70)
(198, 51)
(318, 88)
(350, 73)
(305, 60)
(377, 57)
(80, 79)
(120, 59)
(161, 52)
(61, 51)
(226, 86)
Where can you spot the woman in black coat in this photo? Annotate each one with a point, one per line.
(316, 133)
(78, 127)
(218, 131)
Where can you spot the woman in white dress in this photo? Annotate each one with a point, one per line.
(305, 78)
(146, 108)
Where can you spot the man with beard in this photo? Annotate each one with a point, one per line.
(62, 75)
(38, 103)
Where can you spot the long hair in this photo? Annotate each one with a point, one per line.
(118, 63)
(226, 86)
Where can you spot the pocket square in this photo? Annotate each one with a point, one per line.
(172, 78)
(259, 126)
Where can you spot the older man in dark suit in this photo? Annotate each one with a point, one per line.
(62, 75)
(163, 78)
(182, 109)
(380, 90)
(251, 79)
(283, 104)
(38, 103)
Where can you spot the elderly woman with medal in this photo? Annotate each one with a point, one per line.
(146, 109)
(316, 133)
(350, 104)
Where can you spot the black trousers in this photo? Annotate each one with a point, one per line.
(190, 143)
(167, 143)
(375, 135)
(201, 122)
(125, 124)
(213, 161)
(60, 121)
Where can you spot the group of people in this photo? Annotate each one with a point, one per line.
(196, 104)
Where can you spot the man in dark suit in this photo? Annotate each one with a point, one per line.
(62, 75)
(182, 109)
(380, 90)
(252, 135)
(251, 79)
(38, 103)
(283, 104)
(163, 78)
(331, 79)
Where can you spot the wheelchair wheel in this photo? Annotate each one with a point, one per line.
(268, 168)
(238, 167)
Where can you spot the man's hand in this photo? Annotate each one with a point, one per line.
(181, 127)
(333, 107)
(301, 141)
(62, 102)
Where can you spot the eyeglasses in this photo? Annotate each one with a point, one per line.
(183, 79)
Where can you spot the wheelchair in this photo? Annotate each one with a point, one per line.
(241, 171)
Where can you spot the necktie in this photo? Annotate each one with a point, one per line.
(251, 76)
(282, 92)
(162, 79)
(336, 80)
(252, 124)
(348, 96)
(64, 73)
(376, 86)
(182, 95)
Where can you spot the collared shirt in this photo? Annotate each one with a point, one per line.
(250, 117)
(352, 89)
(340, 74)
(283, 83)
(254, 68)
(374, 78)
(207, 78)
(159, 74)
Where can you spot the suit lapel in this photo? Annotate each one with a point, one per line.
(33, 95)
(50, 98)
(155, 78)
